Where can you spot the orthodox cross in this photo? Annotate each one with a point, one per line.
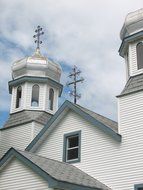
(39, 33)
(75, 79)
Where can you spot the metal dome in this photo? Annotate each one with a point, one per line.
(36, 65)
(133, 24)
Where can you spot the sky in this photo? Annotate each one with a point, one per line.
(84, 33)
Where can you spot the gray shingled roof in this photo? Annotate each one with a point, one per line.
(26, 116)
(106, 121)
(64, 172)
(134, 84)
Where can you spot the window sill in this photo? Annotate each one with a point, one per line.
(72, 161)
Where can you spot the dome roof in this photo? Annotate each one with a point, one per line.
(36, 65)
(133, 24)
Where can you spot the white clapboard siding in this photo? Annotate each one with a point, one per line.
(113, 163)
(17, 137)
(17, 176)
(37, 128)
(96, 147)
(133, 60)
(131, 128)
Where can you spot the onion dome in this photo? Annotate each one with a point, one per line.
(133, 24)
(38, 66)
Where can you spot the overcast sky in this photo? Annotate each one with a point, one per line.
(84, 33)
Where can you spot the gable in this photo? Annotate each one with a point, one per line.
(58, 175)
(92, 138)
(15, 175)
(100, 122)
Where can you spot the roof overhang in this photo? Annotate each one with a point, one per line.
(52, 182)
(23, 79)
(58, 115)
(129, 39)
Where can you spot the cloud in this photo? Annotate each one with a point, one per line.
(83, 33)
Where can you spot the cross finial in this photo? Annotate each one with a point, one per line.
(39, 33)
(75, 79)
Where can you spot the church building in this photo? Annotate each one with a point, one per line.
(46, 147)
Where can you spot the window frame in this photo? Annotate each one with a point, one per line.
(18, 97)
(139, 48)
(51, 99)
(65, 148)
(32, 95)
(137, 186)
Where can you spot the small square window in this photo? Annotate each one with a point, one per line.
(72, 147)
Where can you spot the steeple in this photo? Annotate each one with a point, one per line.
(36, 82)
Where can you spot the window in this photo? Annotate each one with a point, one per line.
(51, 99)
(35, 96)
(139, 187)
(72, 146)
(139, 49)
(18, 97)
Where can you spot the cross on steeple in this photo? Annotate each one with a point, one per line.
(39, 33)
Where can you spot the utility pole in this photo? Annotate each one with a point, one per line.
(74, 75)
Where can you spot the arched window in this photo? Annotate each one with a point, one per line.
(35, 96)
(18, 96)
(139, 49)
(51, 98)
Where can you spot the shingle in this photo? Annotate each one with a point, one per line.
(134, 84)
(64, 172)
(27, 116)
(102, 119)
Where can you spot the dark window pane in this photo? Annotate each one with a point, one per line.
(139, 48)
(72, 141)
(72, 154)
(51, 99)
(18, 98)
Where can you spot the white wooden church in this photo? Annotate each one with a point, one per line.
(72, 148)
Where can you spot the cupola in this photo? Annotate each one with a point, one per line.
(131, 48)
(35, 83)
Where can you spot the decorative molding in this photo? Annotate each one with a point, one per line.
(23, 79)
(127, 40)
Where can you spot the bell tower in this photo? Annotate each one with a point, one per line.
(36, 82)
(130, 101)
(35, 88)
